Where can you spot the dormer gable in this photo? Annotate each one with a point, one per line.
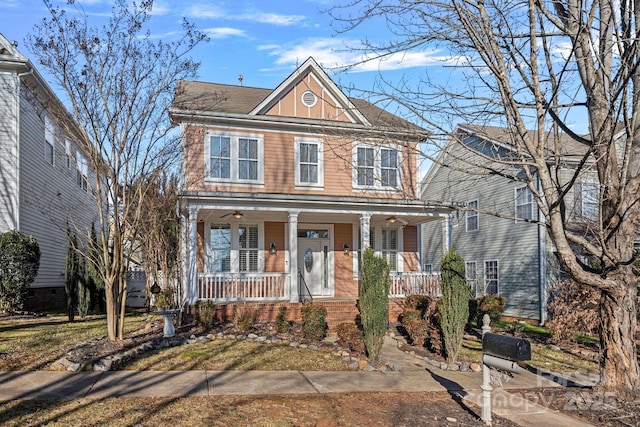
(309, 93)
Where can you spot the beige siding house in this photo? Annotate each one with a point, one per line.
(44, 181)
(282, 188)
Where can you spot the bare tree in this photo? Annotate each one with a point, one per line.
(532, 67)
(118, 83)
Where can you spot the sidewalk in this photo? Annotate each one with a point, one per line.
(414, 375)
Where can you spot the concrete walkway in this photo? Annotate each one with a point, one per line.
(414, 376)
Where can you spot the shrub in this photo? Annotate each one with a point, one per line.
(165, 299)
(75, 284)
(244, 316)
(454, 306)
(314, 325)
(572, 309)
(374, 301)
(204, 313)
(283, 325)
(415, 326)
(350, 337)
(493, 305)
(19, 263)
(421, 320)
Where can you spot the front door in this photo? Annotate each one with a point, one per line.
(313, 261)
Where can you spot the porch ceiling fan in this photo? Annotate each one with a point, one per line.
(394, 219)
(235, 214)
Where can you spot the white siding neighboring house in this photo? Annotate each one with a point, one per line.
(45, 183)
(507, 254)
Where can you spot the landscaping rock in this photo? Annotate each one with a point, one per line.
(252, 336)
(475, 367)
(362, 364)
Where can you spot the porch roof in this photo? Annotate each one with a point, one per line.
(408, 212)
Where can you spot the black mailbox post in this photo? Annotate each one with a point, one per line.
(505, 347)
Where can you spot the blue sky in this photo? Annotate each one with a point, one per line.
(261, 40)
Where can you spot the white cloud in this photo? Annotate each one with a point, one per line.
(337, 53)
(160, 8)
(204, 11)
(224, 32)
(270, 18)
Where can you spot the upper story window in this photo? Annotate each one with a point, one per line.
(376, 167)
(472, 218)
(590, 195)
(67, 153)
(234, 158)
(309, 160)
(49, 141)
(82, 171)
(524, 203)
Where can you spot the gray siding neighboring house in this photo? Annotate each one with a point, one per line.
(511, 257)
(45, 184)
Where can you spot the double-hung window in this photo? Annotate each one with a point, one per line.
(376, 167)
(472, 219)
(82, 171)
(390, 247)
(234, 158)
(220, 248)
(524, 203)
(309, 161)
(248, 248)
(590, 200)
(491, 277)
(471, 273)
(49, 140)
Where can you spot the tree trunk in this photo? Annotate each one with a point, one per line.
(618, 355)
(112, 320)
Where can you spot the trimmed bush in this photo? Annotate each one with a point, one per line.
(244, 316)
(283, 325)
(19, 263)
(493, 305)
(314, 325)
(374, 302)
(204, 313)
(415, 326)
(350, 337)
(454, 306)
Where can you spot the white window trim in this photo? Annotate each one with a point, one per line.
(474, 279)
(301, 140)
(469, 214)
(485, 279)
(233, 178)
(427, 268)
(377, 244)
(516, 204)
(377, 166)
(235, 245)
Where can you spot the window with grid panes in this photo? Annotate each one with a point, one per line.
(220, 248)
(248, 248)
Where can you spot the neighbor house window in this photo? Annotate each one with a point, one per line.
(471, 216)
(390, 247)
(49, 140)
(524, 203)
(491, 277)
(590, 200)
(248, 248)
(67, 153)
(234, 158)
(471, 273)
(428, 268)
(309, 162)
(82, 171)
(376, 167)
(220, 248)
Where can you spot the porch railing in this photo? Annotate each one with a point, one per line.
(243, 286)
(414, 283)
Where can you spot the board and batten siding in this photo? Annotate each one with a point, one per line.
(50, 199)
(513, 244)
(8, 152)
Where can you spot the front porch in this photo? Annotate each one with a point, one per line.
(263, 287)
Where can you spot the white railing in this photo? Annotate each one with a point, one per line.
(243, 286)
(414, 283)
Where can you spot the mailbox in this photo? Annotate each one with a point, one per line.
(506, 347)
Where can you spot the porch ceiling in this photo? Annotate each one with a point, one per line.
(268, 207)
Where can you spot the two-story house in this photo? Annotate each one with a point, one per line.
(45, 180)
(496, 229)
(282, 188)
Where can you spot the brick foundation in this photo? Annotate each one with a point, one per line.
(46, 299)
(338, 310)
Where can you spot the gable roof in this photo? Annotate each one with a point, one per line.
(215, 100)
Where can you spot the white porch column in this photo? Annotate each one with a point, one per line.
(365, 231)
(192, 250)
(293, 257)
